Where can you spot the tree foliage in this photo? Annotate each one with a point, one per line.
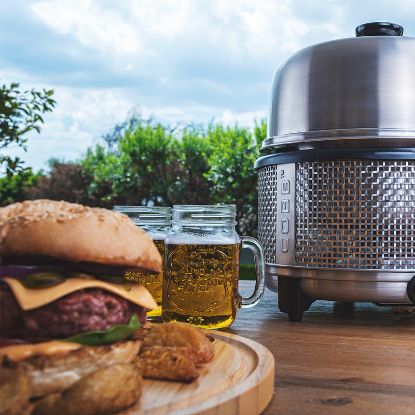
(21, 112)
(15, 188)
(149, 163)
(231, 174)
(145, 162)
(66, 181)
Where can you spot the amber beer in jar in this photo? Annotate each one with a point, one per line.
(156, 221)
(200, 283)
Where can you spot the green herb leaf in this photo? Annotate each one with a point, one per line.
(111, 335)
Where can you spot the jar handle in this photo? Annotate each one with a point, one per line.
(255, 247)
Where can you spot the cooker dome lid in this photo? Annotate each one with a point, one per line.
(354, 91)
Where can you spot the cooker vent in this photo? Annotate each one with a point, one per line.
(267, 215)
(349, 214)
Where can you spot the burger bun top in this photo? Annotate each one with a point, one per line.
(73, 232)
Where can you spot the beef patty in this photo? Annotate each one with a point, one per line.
(78, 312)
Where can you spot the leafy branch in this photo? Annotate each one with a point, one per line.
(21, 112)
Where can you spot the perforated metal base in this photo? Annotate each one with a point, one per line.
(348, 214)
(267, 211)
(353, 228)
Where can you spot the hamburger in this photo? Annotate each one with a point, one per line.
(65, 307)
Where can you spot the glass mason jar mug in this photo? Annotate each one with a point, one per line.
(201, 273)
(156, 221)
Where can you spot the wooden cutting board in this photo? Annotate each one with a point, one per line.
(239, 381)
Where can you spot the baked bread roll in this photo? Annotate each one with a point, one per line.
(74, 232)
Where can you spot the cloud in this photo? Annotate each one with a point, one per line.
(177, 60)
(105, 30)
(81, 116)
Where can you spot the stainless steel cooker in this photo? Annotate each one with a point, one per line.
(337, 178)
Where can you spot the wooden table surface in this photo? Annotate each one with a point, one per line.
(341, 359)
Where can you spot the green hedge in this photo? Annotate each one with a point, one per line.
(247, 272)
(144, 162)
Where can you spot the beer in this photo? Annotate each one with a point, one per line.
(201, 272)
(153, 282)
(201, 284)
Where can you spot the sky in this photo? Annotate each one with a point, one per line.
(177, 61)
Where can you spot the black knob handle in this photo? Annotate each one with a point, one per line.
(379, 29)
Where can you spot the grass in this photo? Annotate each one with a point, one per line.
(247, 272)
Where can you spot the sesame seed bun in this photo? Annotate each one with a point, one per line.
(74, 232)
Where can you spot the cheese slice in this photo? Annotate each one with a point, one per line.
(19, 352)
(30, 298)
